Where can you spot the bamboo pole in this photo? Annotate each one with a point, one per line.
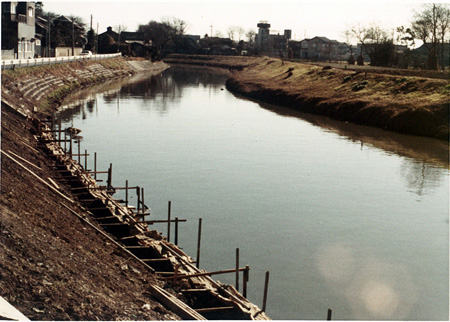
(266, 286)
(199, 241)
(95, 166)
(168, 221)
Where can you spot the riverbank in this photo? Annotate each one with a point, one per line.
(70, 250)
(401, 103)
(41, 89)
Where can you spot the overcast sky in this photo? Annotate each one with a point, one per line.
(304, 18)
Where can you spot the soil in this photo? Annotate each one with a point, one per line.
(53, 266)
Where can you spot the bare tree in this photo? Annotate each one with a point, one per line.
(240, 31)
(251, 34)
(431, 26)
(160, 33)
(231, 32)
(375, 42)
(443, 30)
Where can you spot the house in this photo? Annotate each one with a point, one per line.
(19, 39)
(322, 48)
(106, 40)
(67, 37)
(217, 46)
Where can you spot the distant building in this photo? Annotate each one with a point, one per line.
(217, 46)
(269, 44)
(323, 49)
(19, 38)
(369, 49)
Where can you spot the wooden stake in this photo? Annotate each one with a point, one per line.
(95, 165)
(329, 314)
(168, 221)
(138, 192)
(176, 231)
(198, 241)
(59, 132)
(85, 159)
(126, 193)
(237, 269)
(109, 180)
(142, 196)
(266, 286)
(70, 153)
(79, 152)
(246, 277)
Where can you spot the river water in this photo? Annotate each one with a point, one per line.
(342, 216)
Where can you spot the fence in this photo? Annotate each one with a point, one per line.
(17, 63)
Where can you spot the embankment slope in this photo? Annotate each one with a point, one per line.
(405, 104)
(53, 266)
(405, 101)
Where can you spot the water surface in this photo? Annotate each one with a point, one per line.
(343, 216)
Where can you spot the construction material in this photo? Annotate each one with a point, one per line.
(175, 304)
(37, 177)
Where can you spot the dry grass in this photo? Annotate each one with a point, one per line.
(408, 104)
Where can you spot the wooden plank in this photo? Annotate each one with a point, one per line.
(215, 309)
(54, 183)
(159, 221)
(205, 273)
(37, 177)
(155, 260)
(27, 162)
(107, 217)
(180, 308)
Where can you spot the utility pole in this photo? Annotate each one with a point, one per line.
(211, 30)
(73, 39)
(96, 47)
(48, 35)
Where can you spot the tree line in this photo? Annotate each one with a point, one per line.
(431, 26)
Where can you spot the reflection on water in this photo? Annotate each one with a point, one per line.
(344, 216)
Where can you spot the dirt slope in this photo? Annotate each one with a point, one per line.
(52, 265)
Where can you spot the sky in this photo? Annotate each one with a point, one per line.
(306, 19)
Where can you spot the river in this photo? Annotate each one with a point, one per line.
(343, 216)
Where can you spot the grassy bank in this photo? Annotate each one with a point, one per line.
(403, 103)
(411, 105)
